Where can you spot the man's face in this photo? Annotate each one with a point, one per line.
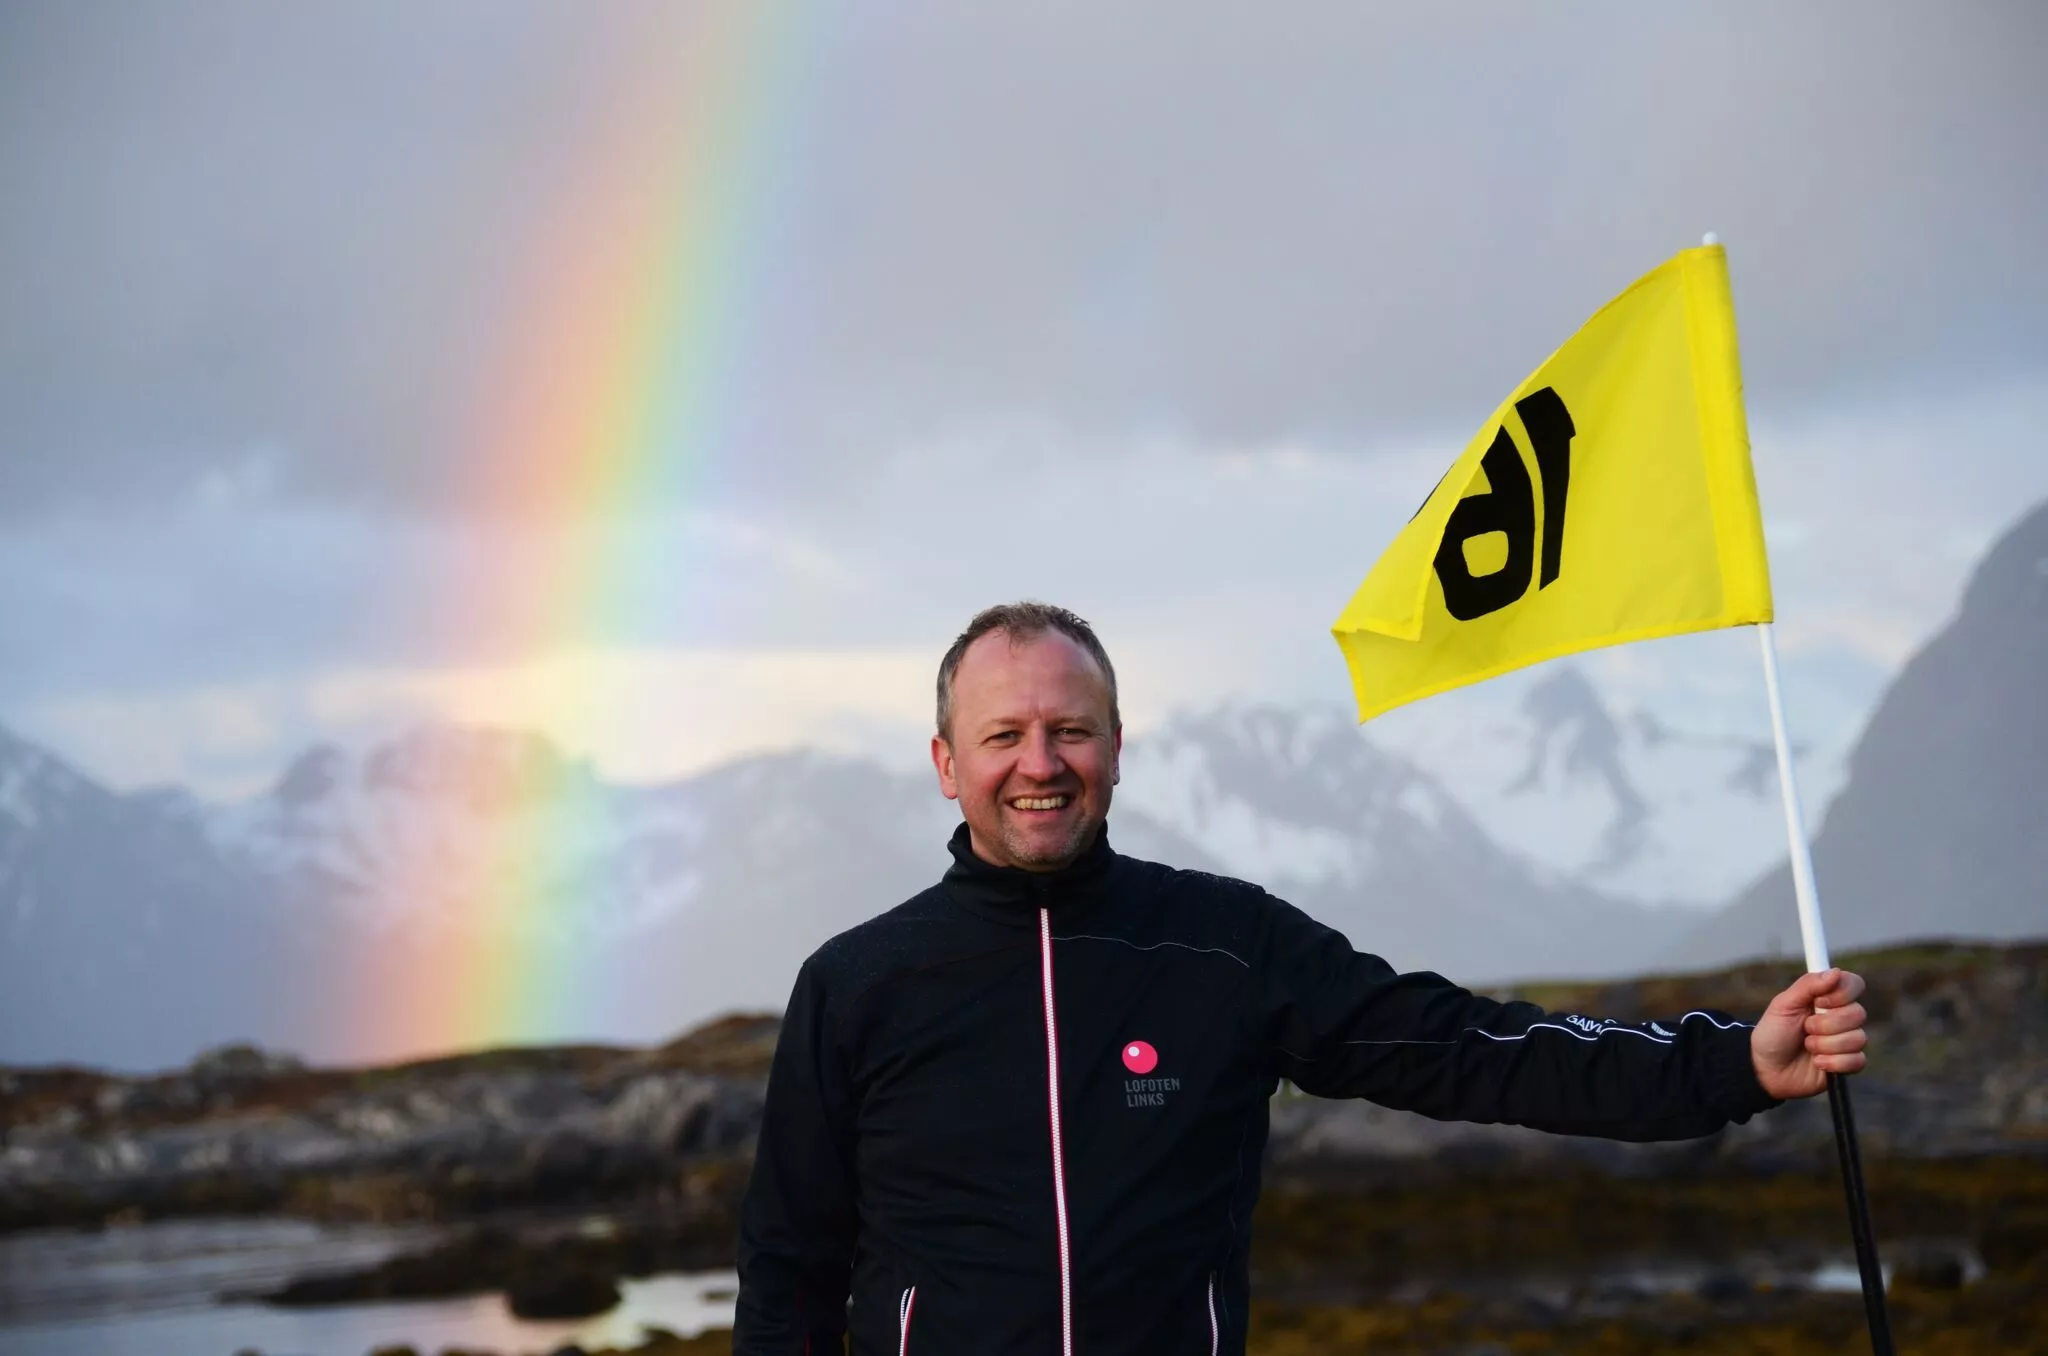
(1033, 753)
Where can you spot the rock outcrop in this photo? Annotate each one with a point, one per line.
(557, 1173)
(549, 1128)
(1961, 1067)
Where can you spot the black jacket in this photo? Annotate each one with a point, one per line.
(1024, 1113)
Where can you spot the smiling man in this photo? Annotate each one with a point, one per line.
(1023, 1112)
(1028, 735)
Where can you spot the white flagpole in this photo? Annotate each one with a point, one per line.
(1811, 932)
(1815, 938)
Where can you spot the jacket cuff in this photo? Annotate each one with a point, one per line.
(1731, 1075)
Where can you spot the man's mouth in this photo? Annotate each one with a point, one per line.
(1039, 802)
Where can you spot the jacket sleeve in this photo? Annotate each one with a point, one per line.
(797, 1224)
(1343, 1024)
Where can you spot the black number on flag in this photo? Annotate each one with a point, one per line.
(1509, 508)
(1550, 438)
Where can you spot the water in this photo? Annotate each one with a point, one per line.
(151, 1290)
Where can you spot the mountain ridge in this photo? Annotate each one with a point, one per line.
(647, 907)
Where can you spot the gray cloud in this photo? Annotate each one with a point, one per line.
(1165, 312)
(306, 231)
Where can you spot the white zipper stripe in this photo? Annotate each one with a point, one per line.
(1059, 1166)
(903, 1308)
(1215, 1337)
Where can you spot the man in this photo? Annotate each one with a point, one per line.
(1023, 1112)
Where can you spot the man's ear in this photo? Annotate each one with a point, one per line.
(1116, 756)
(942, 762)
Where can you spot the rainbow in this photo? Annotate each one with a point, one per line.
(616, 387)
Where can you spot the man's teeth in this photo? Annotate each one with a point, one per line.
(1039, 802)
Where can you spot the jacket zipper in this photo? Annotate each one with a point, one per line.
(1215, 1337)
(1059, 1166)
(903, 1308)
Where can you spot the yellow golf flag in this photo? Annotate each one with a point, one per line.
(1608, 499)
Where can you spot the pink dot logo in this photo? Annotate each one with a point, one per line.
(1140, 1057)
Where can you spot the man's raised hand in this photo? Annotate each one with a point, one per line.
(1811, 1030)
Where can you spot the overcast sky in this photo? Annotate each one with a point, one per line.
(1170, 313)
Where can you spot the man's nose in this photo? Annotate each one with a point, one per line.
(1040, 759)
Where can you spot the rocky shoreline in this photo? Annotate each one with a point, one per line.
(541, 1131)
(1725, 1264)
(558, 1172)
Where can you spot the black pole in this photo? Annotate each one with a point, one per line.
(1859, 1216)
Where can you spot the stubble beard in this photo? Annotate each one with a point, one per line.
(1032, 852)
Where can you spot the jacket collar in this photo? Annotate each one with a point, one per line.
(1011, 894)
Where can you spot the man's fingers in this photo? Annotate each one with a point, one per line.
(1842, 988)
(1831, 1021)
(1820, 990)
(1803, 992)
(1848, 1042)
(1840, 1064)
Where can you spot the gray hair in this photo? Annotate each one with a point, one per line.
(1022, 621)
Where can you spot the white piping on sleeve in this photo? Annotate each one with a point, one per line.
(1570, 1031)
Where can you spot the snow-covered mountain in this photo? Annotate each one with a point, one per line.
(638, 909)
(368, 891)
(377, 904)
(1620, 801)
(1364, 839)
(435, 827)
(119, 921)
